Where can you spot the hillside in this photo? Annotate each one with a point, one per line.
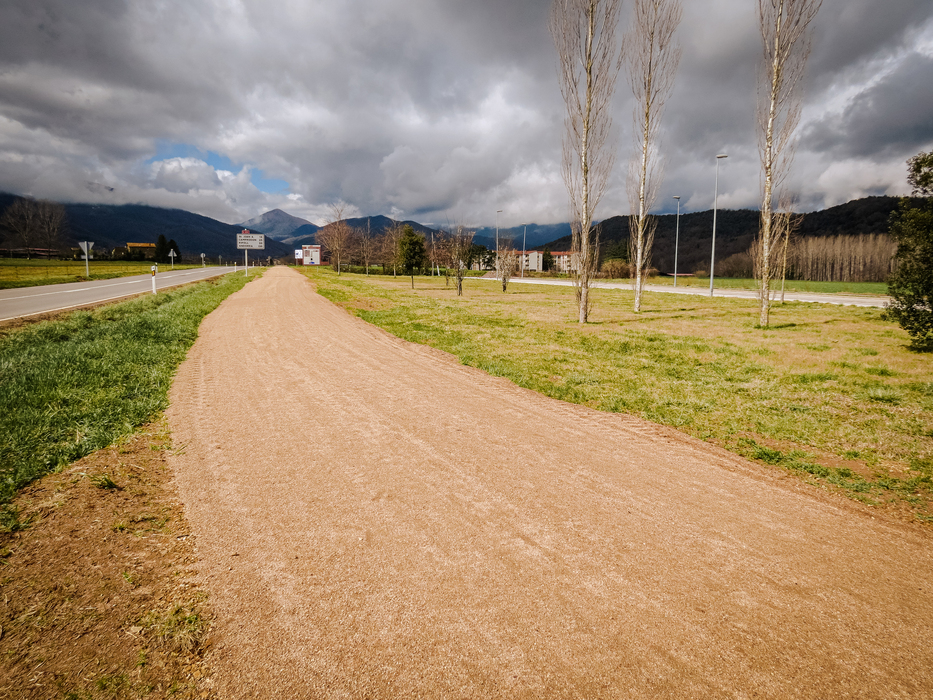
(276, 224)
(377, 225)
(111, 226)
(537, 234)
(735, 231)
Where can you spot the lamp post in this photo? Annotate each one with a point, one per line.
(498, 211)
(712, 262)
(524, 252)
(676, 238)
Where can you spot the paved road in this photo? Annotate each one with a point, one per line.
(31, 301)
(841, 299)
(375, 520)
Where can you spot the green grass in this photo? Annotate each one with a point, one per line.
(75, 385)
(30, 273)
(872, 288)
(831, 393)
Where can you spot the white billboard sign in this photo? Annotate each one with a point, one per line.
(250, 241)
(311, 254)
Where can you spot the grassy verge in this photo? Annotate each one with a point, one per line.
(74, 385)
(829, 393)
(17, 273)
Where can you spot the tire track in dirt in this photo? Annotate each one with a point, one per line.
(375, 520)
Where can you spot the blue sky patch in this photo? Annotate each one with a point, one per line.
(167, 149)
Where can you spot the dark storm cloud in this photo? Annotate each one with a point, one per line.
(435, 107)
(891, 116)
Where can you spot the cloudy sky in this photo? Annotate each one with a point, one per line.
(434, 110)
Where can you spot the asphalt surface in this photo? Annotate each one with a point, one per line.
(31, 301)
(878, 302)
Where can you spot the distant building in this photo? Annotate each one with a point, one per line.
(565, 260)
(532, 260)
(146, 250)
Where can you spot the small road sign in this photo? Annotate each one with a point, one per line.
(86, 246)
(250, 241)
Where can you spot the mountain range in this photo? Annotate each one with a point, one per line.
(376, 225)
(735, 232)
(276, 224)
(111, 226)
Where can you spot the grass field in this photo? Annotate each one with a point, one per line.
(873, 288)
(830, 393)
(74, 385)
(30, 273)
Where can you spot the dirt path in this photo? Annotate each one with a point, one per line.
(375, 520)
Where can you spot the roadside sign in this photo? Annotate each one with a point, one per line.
(86, 246)
(298, 255)
(250, 241)
(311, 254)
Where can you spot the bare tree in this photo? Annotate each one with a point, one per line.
(652, 55)
(506, 263)
(460, 247)
(784, 26)
(388, 248)
(366, 244)
(50, 218)
(589, 55)
(336, 237)
(787, 224)
(22, 221)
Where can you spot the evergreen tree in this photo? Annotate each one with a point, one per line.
(411, 252)
(911, 286)
(161, 249)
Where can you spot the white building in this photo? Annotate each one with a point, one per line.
(532, 260)
(564, 260)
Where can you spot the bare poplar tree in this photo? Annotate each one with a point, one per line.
(337, 236)
(785, 35)
(22, 221)
(787, 224)
(589, 57)
(652, 57)
(366, 244)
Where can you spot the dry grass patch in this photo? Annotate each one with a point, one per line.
(96, 585)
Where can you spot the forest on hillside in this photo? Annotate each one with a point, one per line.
(858, 229)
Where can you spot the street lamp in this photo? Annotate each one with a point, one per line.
(524, 252)
(676, 238)
(712, 262)
(498, 211)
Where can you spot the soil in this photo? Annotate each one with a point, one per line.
(374, 519)
(98, 596)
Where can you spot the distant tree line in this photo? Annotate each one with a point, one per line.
(863, 258)
(31, 225)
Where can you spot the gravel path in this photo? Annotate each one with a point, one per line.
(375, 520)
